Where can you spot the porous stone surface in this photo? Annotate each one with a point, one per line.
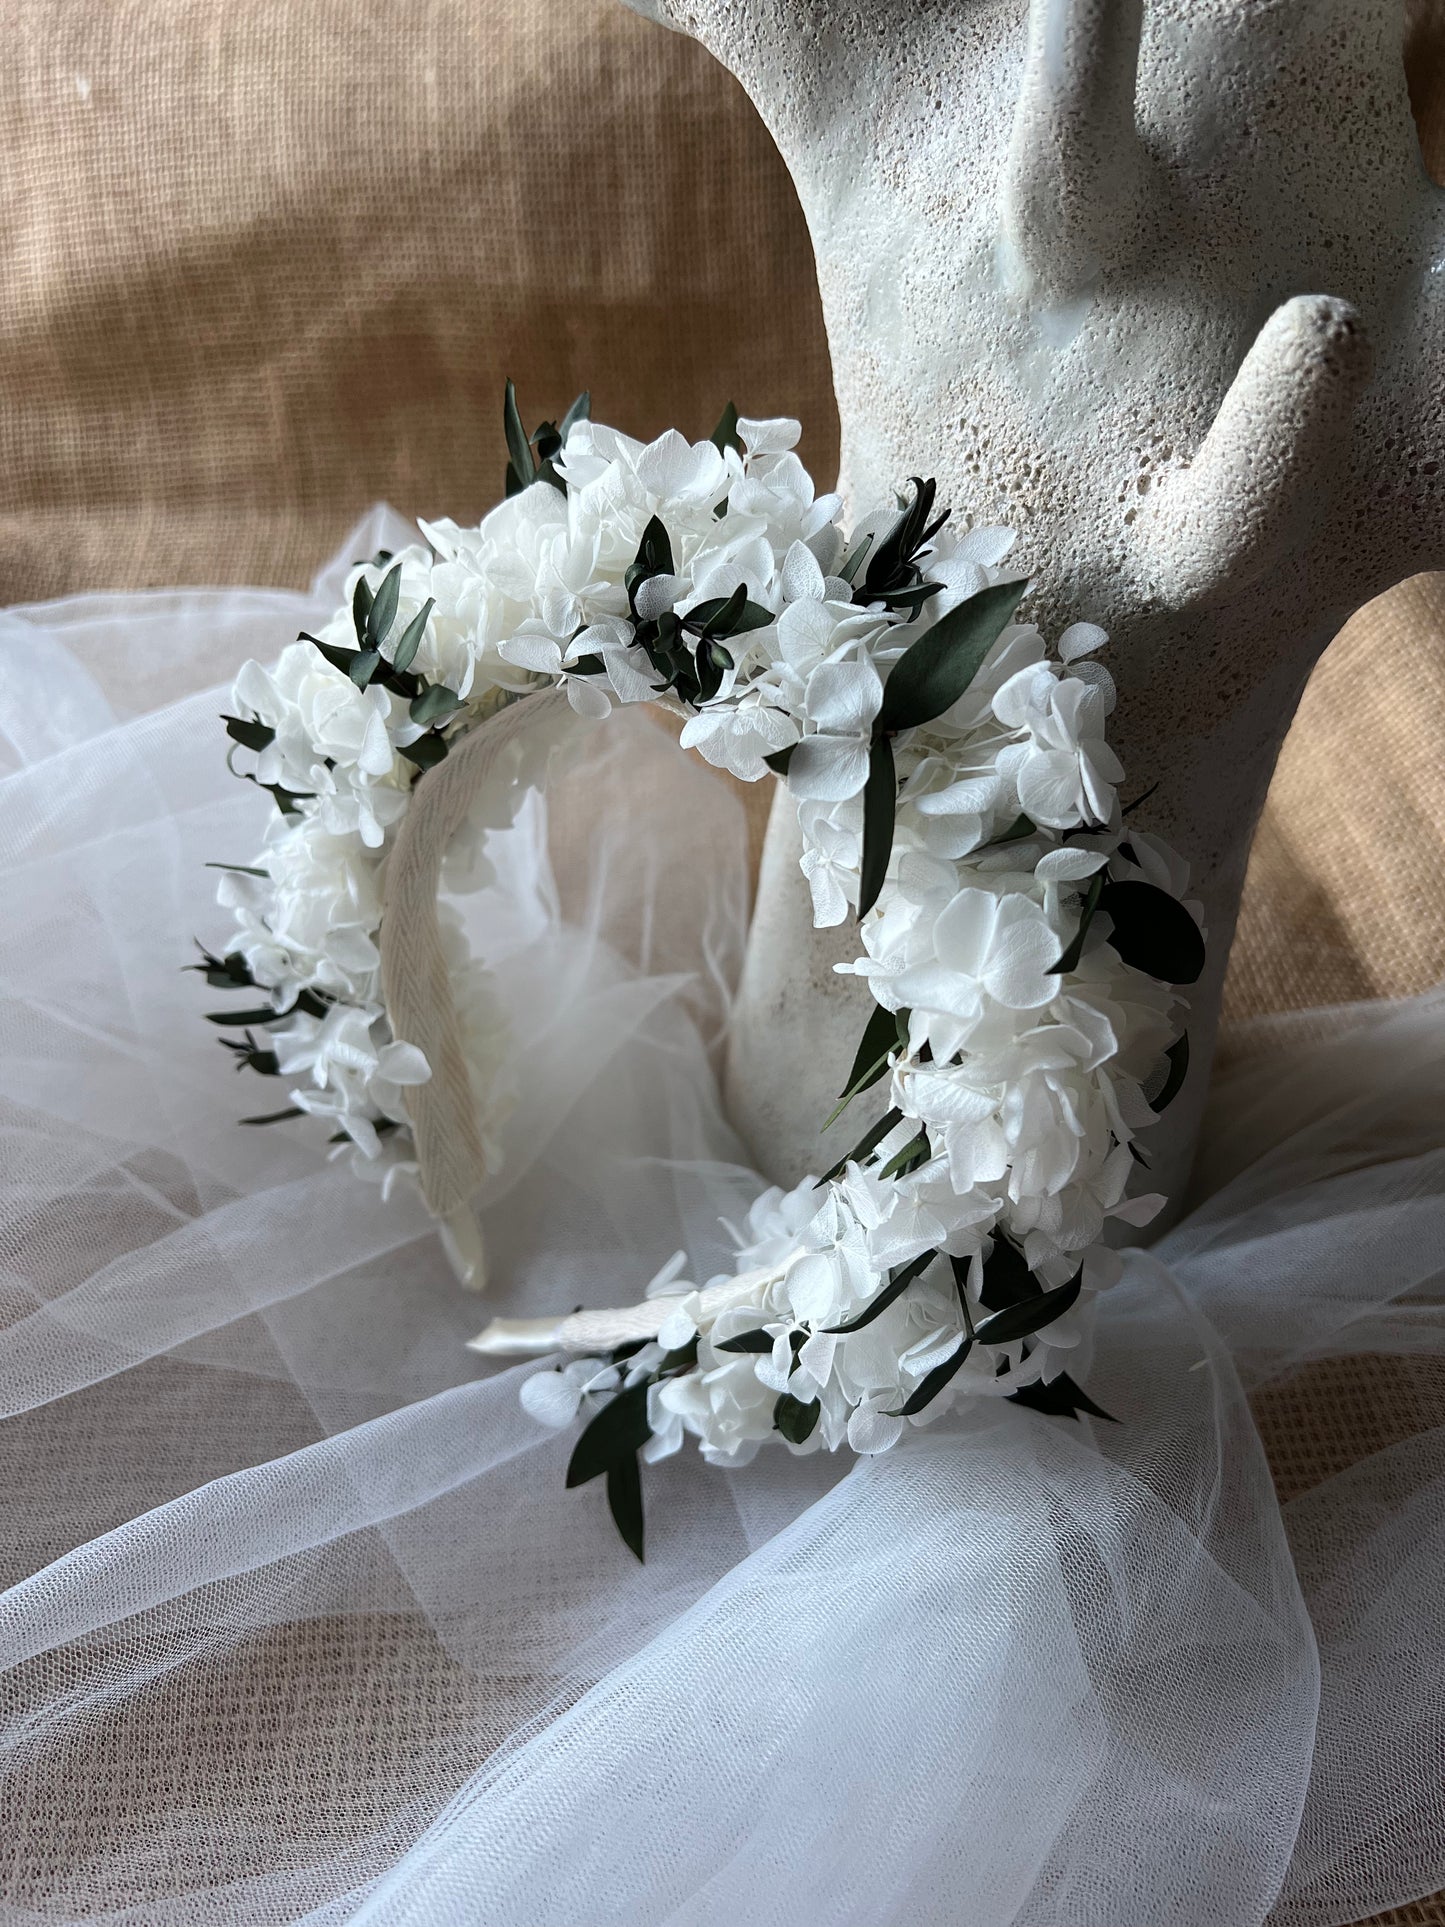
(1161, 283)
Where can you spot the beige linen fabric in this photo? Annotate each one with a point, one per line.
(263, 262)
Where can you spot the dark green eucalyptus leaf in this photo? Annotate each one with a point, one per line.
(1021, 827)
(614, 1433)
(580, 411)
(731, 615)
(900, 542)
(363, 666)
(654, 552)
(1075, 948)
(930, 676)
(681, 1360)
(1153, 932)
(272, 1117)
(435, 703)
(426, 752)
(1023, 1320)
(880, 805)
(409, 641)
(232, 1018)
(361, 600)
(230, 972)
(519, 448)
(915, 1152)
(383, 610)
(755, 1341)
(1060, 1398)
(548, 442)
(881, 1038)
(929, 1388)
(1178, 1058)
(866, 1145)
(1007, 1279)
(911, 600)
(855, 559)
(239, 869)
(779, 760)
(339, 658)
(624, 1502)
(794, 1419)
(725, 435)
(1128, 810)
(898, 1282)
(249, 733)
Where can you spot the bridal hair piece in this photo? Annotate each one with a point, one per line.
(956, 793)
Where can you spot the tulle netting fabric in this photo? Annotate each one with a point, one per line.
(300, 1623)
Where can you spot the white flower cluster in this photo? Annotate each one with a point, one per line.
(957, 1248)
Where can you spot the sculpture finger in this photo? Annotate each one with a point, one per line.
(1258, 485)
(1071, 171)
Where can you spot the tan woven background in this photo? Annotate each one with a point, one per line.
(264, 261)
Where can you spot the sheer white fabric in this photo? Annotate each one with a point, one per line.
(301, 1623)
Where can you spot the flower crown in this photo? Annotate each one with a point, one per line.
(955, 792)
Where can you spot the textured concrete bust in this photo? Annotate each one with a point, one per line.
(1162, 284)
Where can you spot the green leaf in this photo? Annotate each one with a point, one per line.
(880, 1040)
(338, 657)
(1060, 1398)
(1021, 827)
(725, 435)
(757, 1341)
(257, 1016)
(580, 411)
(794, 1419)
(779, 760)
(615, 1433)
(1075, 949)
(383, 610)
(249, 733)
(1178, 1059)
(897, 548)
(624, 1501)
(361, 600)
(654, 551)
(230, 972)
(880, 804)
(426, 752)
(1153, 932)
(927, 1391)
(1023, 1320)
(272, 1117)
(409, 641)
(866, 1145)
(930, 676)
(434, 704)
(915, 1152)
(239, 869)
(518, 447)
(898, 1282)
(363, 666)
(1007, 1279)
(730, 615)
(854, 560)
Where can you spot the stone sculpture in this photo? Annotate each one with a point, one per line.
(1160, 283)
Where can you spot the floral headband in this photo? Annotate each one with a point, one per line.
(955, 792)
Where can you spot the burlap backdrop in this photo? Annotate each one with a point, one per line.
(264, 261)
